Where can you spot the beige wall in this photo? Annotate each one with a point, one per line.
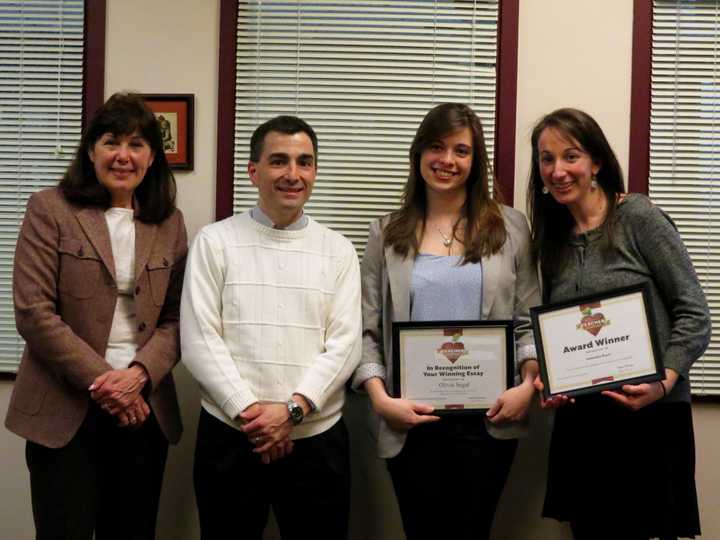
(571, 52)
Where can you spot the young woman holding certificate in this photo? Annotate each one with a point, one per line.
(451, 252)
(622, 463)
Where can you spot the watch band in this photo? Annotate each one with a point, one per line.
(295, 411)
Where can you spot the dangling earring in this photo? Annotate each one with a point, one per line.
(545, 190)
(593, 182)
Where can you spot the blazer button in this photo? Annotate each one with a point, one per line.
(165, 262)
(137, 290)
(141, 327)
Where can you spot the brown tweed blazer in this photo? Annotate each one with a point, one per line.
(65, 293)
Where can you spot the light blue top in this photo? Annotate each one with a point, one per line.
(441, 289)
(263, 219)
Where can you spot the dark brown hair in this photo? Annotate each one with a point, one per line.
(551, 222)
(122, 114)
(288, 125)
(484, 232)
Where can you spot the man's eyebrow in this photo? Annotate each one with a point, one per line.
(277, 155)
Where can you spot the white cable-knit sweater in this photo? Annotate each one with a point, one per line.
(267, 313)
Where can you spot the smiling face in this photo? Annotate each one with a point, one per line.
(445, 164)
(284, 175)
(121, 162)
(566, 168)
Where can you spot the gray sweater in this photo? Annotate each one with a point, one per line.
(647, 248)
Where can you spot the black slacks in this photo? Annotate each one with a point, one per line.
(106, 480)
(309, 490)
(448, 479)
(593, 530)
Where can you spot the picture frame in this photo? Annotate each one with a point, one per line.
(582, 350)
(175, 112)
(431, 364)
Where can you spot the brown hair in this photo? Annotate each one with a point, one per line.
(552, 223)
(288, 125)
(484, 232)
(122, 114)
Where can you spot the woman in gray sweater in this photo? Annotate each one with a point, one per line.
(622, 463)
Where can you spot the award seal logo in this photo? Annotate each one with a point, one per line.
(452, 350)
(592, 322)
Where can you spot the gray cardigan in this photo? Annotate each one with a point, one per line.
(649, 249)
(509, 289)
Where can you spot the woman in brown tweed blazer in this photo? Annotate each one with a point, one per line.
(97, 278)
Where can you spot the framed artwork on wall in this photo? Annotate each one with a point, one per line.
(175, 114)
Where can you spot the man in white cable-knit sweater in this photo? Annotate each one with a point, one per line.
(270, 328)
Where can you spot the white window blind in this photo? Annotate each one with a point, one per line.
(362, 74)
(41, 52)
(685, 146)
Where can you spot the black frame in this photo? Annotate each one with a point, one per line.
(538, 311)
(186, 127)
(508, 325)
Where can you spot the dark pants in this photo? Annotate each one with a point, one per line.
(106, 479)
(309, 490)
(594, 531)
(448, 479)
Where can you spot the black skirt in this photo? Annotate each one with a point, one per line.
(622, 470)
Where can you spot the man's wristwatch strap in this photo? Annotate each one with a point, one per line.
(295, 411)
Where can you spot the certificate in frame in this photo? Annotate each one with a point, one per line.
(597, 342)
(457, 367)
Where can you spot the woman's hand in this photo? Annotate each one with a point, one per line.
(117, 389)
(135, 414)
(403, 414)
(398, 413)
(637, 396)
(555, 401)
(513, 403)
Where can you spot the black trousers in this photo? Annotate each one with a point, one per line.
(594, 531)
(448, 479)
(106, 480)
(309, 490)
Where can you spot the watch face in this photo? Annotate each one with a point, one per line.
(296, 412)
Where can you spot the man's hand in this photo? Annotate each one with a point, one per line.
(280, 450)
(266, 425)
(117, 389)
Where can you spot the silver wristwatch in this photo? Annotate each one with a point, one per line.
(295, 411)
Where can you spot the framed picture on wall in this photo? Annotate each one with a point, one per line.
(175, 114)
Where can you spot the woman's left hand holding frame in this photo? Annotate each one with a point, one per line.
(637, 396)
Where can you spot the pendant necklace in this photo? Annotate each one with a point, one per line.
(447, 240)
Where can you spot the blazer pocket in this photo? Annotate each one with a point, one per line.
(80, 268)
(28, 396)
(159, 268)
